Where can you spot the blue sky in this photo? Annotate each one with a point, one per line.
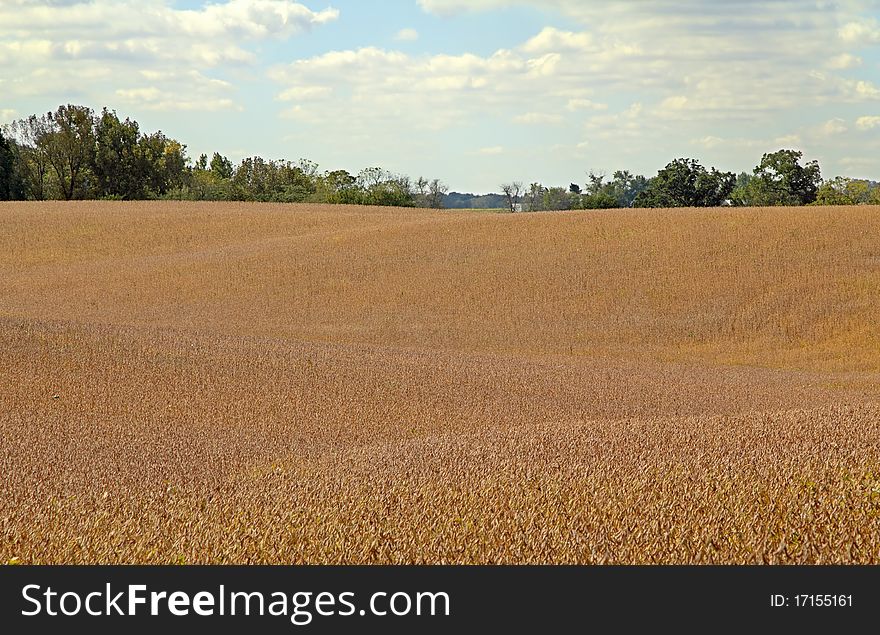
(473, 92)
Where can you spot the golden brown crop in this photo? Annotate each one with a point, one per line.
(230, 383)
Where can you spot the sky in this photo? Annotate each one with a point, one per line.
(473, 92)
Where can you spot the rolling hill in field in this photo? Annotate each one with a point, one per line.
(233, 383)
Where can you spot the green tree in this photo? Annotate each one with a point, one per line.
(533, 199)
(627, 187)
(780, 179)
(202, 186)
(298, 182)
(845, 191)
(69, 145)
(33, 162)
(395, 192)
(175, 164)
(338, 187)
(556, 199)
(221, 167)
(259, 179)
(118, 165)
(252, 180)
(740, 195)
(599, 194)
(384, 188)
(162, 164)
(686, 183)
(11, 183)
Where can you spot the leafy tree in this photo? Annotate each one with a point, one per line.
(163, 164)
(175, 163)
(12, 186)
(741, 193)
(259, 179)
(627, 187)
(299, 181)
(834, 192)
(598, 194)
(309, 169)
(254, 179)
(342, 188)
(780, 179)
(603, 199)
(33, 161)
(533, 199)
(380, 187)
(221, 167)
(69, 145)
(202, 186)
(394, 192)
(845, 191)
(118, 165)
(370, 178)
(556, 199)
(686, 183)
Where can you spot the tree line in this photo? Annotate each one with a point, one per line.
(74, 153)
(781, 178)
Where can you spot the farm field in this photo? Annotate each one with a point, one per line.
(246, 383)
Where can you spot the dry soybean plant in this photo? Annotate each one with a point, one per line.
(224, 383)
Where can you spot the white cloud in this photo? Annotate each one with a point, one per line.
(710, 141)
(491, 151)
(868, 123)
(553, 40)
(844, 61)
(858, 162)
(537, 118)
(710, 100)
(867, 89)
(374, 87)
(862, 32)
(452, 7)
(724, 76)
(407, 35)
(677, 102)
(788, 140)
(58, 50)
(833, 127)
(7, 115)
(690, 61)
(152, 98)
(692, 70)
(177, 90)
(305, 93)
(860, 90)
(253, 19)
(128, 20)
(544, 66)
(629, 123)
(584, 104)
